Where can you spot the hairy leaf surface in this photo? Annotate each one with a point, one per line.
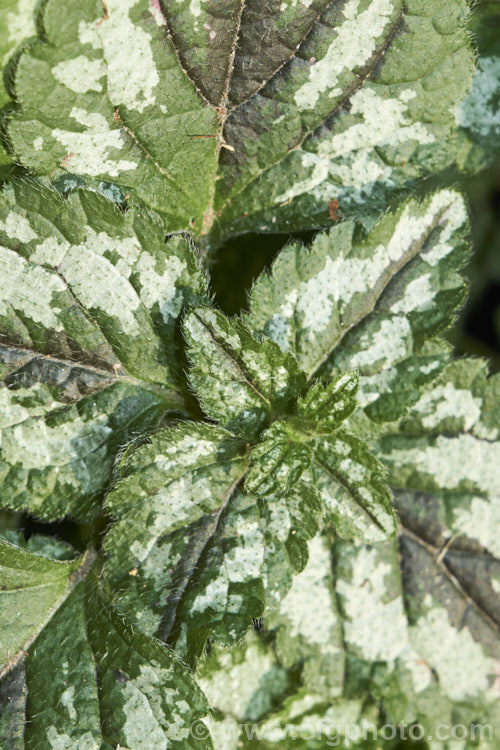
(89, 350)
(336, 467)
(190, 556)
(32, 587)
(372, 302)
(241, 382)
(228, 117)
(112, 680)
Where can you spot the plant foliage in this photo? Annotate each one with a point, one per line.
(291, 516)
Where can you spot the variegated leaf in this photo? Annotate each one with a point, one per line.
(89, 347)
(248, 567)
(190, 556)
(112, 682)
(177, 478)
(335, 466)
(388, 643)
(241, 382)
(306, 722)
(309, 627)
(444, 466)
(478, 114)
(227, 117)
(352, 485)
(17, 25)
(279, 460)
(442, 462)
(242, 686)
(371, 302)
(413, 635)
(326, 407)
(448, 443)
(285, 685)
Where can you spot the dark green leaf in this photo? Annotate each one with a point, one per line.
(237, 116)
(112, 684)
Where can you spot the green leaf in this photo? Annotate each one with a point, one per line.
(12, 709)
(241, 382)
(32, 588)
(333, 465)
(190, 556)
(231, 118)
(371, 302)
(90, 349)
(17, 25)
(327, 407)
(41, 545)
(204, 39)
(112, 685)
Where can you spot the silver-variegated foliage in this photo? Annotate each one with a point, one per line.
(242, 383)
(111, 681)
(275, 505)
(478, 114)
(228, 117)
(17, 26)
(367, 639)
(191, 555)
(372, 302)
(89, 351)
